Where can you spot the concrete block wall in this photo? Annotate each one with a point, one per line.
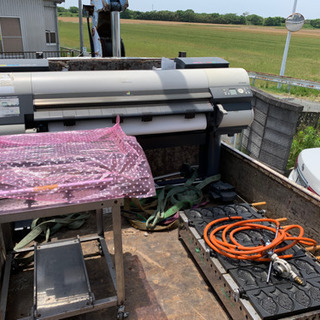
(309, 119)
(270, 136)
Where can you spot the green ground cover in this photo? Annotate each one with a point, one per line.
(261, 52)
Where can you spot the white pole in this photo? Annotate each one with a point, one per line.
(115, 31)
(286, 49)
(80, 26)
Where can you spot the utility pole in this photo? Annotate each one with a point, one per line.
(80, 27)
(286, 49)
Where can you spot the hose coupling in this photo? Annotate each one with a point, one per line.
(284, 269)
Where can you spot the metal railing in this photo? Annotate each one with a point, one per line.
(283, 80)
(70, 52)
(63, 52)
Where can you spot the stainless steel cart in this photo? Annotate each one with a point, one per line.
(61, 284)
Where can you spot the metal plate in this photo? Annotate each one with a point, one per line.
(61, 281)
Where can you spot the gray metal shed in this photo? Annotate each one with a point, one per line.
(29, 25)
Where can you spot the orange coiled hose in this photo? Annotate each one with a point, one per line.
(233, 249)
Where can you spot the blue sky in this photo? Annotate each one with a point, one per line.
(265, 8)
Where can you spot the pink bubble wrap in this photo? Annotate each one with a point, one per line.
(74, 166)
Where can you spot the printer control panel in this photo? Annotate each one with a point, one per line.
(225, 93)
(236, 91)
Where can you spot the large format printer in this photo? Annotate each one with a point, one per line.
(159, 107)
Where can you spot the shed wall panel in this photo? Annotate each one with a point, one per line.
(32, 19)
(50, 24)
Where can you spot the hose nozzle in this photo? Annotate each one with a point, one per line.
(298, 280)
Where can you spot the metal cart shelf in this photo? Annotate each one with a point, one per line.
(63, 290)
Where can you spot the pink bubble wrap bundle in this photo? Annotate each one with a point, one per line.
(74, 166)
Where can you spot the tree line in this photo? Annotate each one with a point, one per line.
(191, 16)
(70, 12)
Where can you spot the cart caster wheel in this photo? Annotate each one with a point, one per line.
(101, 251)
(122, 314)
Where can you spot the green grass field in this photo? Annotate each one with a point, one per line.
(255, 50)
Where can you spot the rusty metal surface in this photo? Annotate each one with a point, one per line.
(162, 282)
(85, 64)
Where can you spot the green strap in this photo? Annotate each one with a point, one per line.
(142, 226)
(49, 227)
(208, 180)
(181, 197)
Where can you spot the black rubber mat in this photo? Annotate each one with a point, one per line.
(199, 218)
(285, 300)
(255, 275)
(230, 264)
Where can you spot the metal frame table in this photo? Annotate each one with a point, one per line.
(10, 212)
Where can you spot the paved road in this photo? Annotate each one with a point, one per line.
(309, 106)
